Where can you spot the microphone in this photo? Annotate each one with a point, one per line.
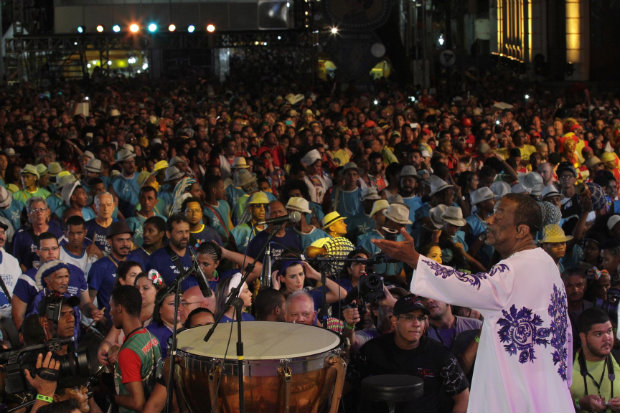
(293, 216)
(200, 276)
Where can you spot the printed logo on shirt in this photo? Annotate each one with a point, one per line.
(150, 345)
(426, 373)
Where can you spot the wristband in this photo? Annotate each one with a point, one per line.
(47, 399)
(477, 339)
(348, 326)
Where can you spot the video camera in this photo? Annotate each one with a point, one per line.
(610, 306)
(369, 290)
(74, 367)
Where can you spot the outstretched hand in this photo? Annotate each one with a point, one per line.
(400, 250)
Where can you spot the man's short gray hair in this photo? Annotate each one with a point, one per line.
(32, 201)
(297, 295)
(98, 198)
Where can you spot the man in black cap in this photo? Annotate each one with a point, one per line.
(102, 274)
(408, 351)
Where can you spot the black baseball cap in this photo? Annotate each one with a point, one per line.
(566, 166)
(408, 304)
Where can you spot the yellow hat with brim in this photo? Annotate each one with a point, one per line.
(554, 234)
(331, 218)
(258, 198)
(379, 205)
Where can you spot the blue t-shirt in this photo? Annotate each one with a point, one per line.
(218, 215)
(348, 203)
(309, 238)
(206, 234)
(244, 317)
(161, 261)
(128, 190)
(26, 287)
(290, 242)
(25, 247)
(140, 256)
(13, 213)
(162, 333)
(101, 277)
(99, 235)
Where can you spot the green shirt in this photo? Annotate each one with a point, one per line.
(596, 370)
(144, 345)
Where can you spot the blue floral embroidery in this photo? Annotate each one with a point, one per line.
(473, 279)
(521, 331)
(559, 322)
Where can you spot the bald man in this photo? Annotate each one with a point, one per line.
(192, 298)
(300, 309)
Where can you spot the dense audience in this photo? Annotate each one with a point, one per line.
(107, 208)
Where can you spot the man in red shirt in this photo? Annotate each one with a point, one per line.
(134, 370)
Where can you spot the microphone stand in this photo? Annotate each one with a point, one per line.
(265, 280)
(175, 287)
(234, 300)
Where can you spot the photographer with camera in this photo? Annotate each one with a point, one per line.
(397, 217)
(594, 387)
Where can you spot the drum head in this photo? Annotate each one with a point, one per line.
(262, 340)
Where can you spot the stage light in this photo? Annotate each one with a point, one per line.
(145, 66)
(134, 28)
(210, 27)
(100, 28)
(116, 28)
(172, 27)
(191, 28)
(131, 60)
(81, 29)
(334, 30)
(152, 27)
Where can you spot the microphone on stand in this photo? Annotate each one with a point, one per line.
(293, 216)
(200, 276)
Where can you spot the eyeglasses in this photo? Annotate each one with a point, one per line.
(187, 303)
(49, 249)
(411, 317)
(38, 210)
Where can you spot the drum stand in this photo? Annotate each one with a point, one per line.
(234, 300)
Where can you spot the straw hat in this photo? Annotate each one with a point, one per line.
(554, 234)
(30, 169)
(370, 194)
(550, 190)
(240, 162)
(437, 184)
(94, 166)
(379, 205)
(398, 213)
(611, 222)
(331, 218)
(481, 194)
(436, 215)
(296, 203)
(311, 157)
(124, 155)
(408, 170)
(244, 177)
(454, 215)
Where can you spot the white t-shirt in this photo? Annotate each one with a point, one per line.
(10, 272)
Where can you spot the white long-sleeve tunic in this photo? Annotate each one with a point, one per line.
(524, 358)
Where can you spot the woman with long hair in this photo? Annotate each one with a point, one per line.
(224, 288)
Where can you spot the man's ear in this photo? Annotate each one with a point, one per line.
(523, 231)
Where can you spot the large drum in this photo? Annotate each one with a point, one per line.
(286, 368)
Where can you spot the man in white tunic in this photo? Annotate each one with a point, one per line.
(524, 359)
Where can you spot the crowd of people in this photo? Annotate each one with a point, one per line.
(102, 210)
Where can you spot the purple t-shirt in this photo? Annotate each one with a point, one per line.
(99, 235)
